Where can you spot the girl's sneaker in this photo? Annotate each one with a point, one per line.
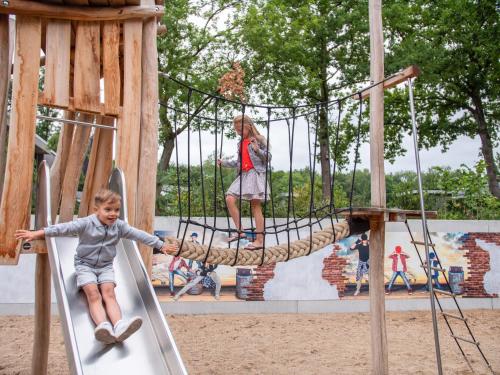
(104, 333)
(126, 327)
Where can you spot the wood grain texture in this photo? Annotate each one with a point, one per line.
(86, 84)
(111, 67)
(73, 170)
(57, 63)
(148, 155)
(16, 197)
(58, 169)
(99, 166)
(118, 11)
(129, 125)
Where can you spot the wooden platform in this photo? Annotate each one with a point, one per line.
(390, 214)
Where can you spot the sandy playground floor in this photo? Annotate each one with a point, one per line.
(284, 344)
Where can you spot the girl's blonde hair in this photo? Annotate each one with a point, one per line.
(254, 132)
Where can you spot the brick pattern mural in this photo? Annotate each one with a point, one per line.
(333, 270)
(261, 275)
(478, 261)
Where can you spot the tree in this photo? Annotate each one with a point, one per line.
(455, 43)
(305, 50)
(192, 50)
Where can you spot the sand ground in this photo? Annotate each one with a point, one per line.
(285, 344)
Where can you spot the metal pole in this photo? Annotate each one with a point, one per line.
(75, 122)
(424, 229)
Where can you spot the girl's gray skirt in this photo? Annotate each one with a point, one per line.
(253, 186)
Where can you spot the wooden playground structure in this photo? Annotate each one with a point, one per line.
(100, 68)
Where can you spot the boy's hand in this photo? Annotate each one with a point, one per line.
(27, 235)
(219, 162)
(254, 144)
(169, 248)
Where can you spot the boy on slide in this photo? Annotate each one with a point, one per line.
(98, 235)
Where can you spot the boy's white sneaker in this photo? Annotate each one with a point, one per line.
(104, 333)
(126, 327)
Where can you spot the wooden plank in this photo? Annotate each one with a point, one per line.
(58, 169)
(111, 67)
(117, 3)
(378, 333)
(86, 83)
(73, 170)
(146, 190)
(129, 125)
(118, 12)
(16, 197)
(57, 63)
(42, 316)
(6, 44)
(100, 3)
(99, 167)
(396, 79)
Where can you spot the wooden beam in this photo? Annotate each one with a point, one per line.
(409, 72)
(58, 169)
(16, 198)
(42, 316)
(111, 67)
(148, 155)
(6, 41)
(99, 166)
(129, 124)
(80, 13)
(73, 170)
(378, 332)
(86, 83)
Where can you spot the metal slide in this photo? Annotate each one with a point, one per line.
(152, 349)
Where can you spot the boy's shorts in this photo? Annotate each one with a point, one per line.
(89, 275)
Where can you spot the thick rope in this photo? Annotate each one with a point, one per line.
(272, 254)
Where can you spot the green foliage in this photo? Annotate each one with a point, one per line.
(455, 194)
(470, 197)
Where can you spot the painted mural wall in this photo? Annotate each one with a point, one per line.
(470, 249)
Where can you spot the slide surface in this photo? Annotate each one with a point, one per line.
(151, 350)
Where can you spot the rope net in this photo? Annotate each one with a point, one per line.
(295, 136)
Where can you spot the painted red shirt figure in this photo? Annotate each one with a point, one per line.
(246, 162)
(399, 260)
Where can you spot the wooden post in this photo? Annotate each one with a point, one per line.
(73, 170)
(380, 363)
(127, 157)
(146, 190)
(16, 197)
(99, 167)
(6, 42)
(42, 316)
(58, 169)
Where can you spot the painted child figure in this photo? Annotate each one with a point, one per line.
(363, 268)
(253, 156)
(399, 268)
(98, 235)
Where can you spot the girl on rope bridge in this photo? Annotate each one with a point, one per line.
(253, 156)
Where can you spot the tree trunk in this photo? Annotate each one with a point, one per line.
(324, 141)
(486, 146)
(166, 154)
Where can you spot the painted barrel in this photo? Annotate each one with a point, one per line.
(456, 279)
(243, 281)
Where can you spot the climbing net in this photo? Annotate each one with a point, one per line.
(202, 115)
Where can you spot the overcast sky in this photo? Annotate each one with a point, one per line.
(463, 151)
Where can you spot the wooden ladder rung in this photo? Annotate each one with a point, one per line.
(423, 243)
(454, 316)
(466, 340)
(445, 292)
(434, 268)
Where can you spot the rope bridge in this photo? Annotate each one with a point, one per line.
(196, 112)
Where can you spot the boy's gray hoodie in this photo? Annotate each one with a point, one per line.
(97, 242)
